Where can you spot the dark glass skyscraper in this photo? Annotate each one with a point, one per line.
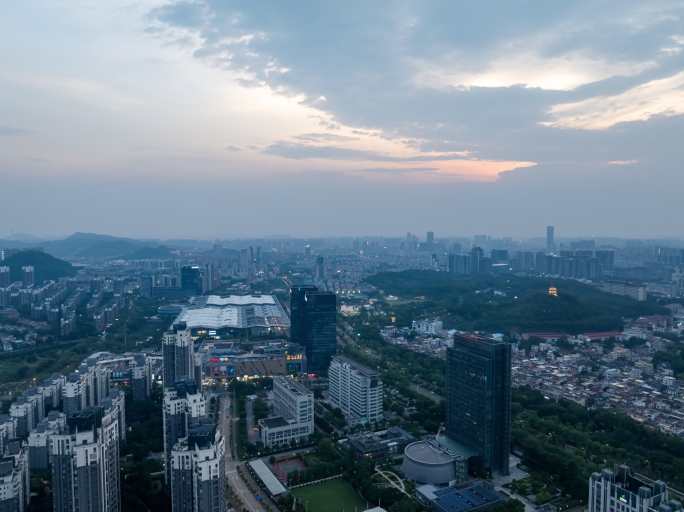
(479, 398)
(191, 279)
(313, 320)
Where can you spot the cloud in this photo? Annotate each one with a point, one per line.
(401, 170)
(301, 151)
(557, 73)
(661, 97)
(623, 162)
(324, 137)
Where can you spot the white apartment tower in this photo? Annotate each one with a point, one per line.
(356, 390)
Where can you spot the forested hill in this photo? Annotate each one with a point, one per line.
(46, 267)
(507, 302)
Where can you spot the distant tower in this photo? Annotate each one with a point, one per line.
(550, 239)
(28, 276)
(5, 279)
(430, 238)
(191, 279)
(320, 268)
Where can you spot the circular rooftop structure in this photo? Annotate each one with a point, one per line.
(435, 461)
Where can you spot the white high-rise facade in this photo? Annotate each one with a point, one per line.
(356, 390)
(620, 490)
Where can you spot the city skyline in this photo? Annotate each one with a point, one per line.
(235, 119)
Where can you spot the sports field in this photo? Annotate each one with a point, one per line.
(331, 496)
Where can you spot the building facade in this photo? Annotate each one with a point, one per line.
(178, 355)
(479, 398)
(293, 420)
(198, 474)
(85, 463)
(313, 324)
(356, 390)
(620, 490)
(182, 403)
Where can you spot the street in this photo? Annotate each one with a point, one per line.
(232, 461)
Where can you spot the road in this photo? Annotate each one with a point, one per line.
(228, 423)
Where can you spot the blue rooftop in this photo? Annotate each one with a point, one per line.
(465, 499)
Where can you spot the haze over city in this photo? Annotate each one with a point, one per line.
(213, 119)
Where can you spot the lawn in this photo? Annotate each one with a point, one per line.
(331, 496)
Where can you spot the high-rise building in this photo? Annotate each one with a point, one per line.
(191, 279)
(183, 404)
(40, 437)
(178, 355)
(293, 408)
(28, 275)
(623, 491)
(5, 277)
(85, 463)
(550, 239)
(479, 398)
(475, 265)
(320, 268)
(313, 324)
(198, 475)
(298, 312)
(430, 238)
(15, 484)
(356, 390)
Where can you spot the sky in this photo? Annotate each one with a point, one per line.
(220, 118)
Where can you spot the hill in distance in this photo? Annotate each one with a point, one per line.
(46, 267)
(509, 303)
(93, 246)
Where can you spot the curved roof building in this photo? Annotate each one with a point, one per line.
(235, 313)
(436, 461)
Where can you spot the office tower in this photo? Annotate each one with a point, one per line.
(178, 355)
(191, 279)
(5, 277)
(320, 268)
(183, 404)
(356, 390)
(313, 324)
(298, 312)
(293, 409)
(28, 276)
(624, 491)
(475, 263)
(198, 475)
(479, 398)
(15, 484)
(430, 238)
(550, 239)
(85, 463)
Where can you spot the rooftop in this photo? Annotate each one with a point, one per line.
(235, 311)
(273, 485)
(274, 422)
(471, 497)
